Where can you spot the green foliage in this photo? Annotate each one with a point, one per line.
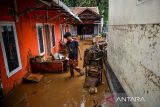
(102, 5)
(103, 8)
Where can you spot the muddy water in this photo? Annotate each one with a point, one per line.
(58, 90)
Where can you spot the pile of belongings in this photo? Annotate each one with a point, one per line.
(58, 56)
(52, 57)
(54, 63)
(93, 58)
(102, 45)
(92, 53)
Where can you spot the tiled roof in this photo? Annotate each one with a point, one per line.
(78, 10)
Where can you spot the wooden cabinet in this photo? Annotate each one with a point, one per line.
(54, 66)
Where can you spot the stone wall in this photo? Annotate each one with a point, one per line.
(134, 56)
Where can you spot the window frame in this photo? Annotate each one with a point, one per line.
(62, 31)
(40, 24)
(10, 73)
(54, 35)
(49, 32)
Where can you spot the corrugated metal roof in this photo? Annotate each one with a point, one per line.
(60, 4)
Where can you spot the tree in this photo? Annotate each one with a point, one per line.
(102, 5)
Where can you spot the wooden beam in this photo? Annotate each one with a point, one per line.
(54, 6)
(47, 9)
(56, 16)
(46, 16)
(16, 10)
(45, 2)
(30, 9)
(70, 20)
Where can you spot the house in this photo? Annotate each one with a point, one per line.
(29, 26)
(134, 48)
(91, 19)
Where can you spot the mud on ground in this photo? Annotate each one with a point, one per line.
(58, 90)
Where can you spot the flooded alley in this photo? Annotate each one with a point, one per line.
(79, 53)
(58, 90)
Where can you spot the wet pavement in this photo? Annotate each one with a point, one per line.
(58, 90)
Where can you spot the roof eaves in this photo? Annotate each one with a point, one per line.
(61, 5)
(64, 7)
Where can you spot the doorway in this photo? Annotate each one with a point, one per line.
(85, 29)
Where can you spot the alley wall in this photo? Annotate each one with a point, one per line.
(134, 48)
(27, 39)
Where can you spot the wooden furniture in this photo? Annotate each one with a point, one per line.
(94, 69)
(48, 66)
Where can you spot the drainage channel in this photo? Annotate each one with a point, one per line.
(115, 87)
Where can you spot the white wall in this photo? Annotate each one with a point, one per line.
(134, 56)
(128, 12)
(134, 48)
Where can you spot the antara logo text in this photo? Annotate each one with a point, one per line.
(130, 99)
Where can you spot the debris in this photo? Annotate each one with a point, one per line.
(83, 101)
(90, 82)
(96, 103)
(64, 105)
(103, 83)
(33, 78)
(71, 103)
(82, 104)
(49, 81)
(93, 59)
(92, 90)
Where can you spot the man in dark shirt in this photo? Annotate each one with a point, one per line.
(73, 49)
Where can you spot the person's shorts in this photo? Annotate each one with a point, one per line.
(74, 62)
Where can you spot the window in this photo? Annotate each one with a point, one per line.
(53, 36)
(10, 49)
(40, 39)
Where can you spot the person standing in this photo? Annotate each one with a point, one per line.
(73, 49)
